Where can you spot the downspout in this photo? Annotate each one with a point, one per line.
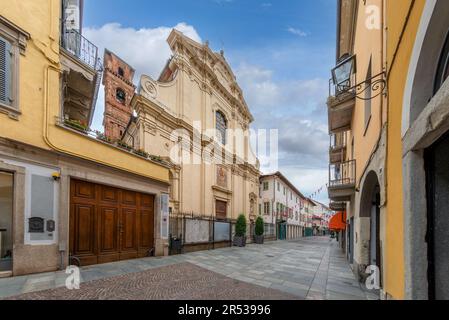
(393, 60)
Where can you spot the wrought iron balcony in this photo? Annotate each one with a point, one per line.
(84, 50)
(342, 179)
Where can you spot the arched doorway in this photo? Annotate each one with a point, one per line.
(425, 158)
(437, 171)
(370, 221)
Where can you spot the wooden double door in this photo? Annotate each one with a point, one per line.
(109, 224)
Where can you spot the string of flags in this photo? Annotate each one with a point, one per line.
(319, 191)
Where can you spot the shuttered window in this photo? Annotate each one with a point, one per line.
(5, 72)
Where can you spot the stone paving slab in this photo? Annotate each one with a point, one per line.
(309, 268)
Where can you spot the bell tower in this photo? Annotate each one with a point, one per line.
(118, 92)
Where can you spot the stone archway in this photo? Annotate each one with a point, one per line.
(370, 223)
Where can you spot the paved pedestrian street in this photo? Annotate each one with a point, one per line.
(310, 268)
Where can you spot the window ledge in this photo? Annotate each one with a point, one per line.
(11, 112)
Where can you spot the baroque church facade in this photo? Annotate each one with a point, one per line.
(194, 117)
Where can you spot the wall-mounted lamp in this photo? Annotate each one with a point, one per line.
(56, 176)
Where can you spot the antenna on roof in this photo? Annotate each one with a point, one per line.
(222, 48)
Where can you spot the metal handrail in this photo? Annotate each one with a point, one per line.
(343, 173)
(76, 126)
(80, 47)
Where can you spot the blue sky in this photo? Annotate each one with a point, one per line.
(281, 52)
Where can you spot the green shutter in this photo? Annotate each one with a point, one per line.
(5, 72)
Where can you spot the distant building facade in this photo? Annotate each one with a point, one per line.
(282, 205)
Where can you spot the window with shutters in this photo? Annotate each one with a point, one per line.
(5, 73)
(13, 42)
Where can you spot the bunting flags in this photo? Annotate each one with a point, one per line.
(318, 192)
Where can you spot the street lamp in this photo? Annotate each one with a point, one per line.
(343, 72)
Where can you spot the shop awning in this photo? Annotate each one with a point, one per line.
(338, 222)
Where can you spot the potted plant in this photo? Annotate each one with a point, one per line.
(141, 153)
(124, 146)
(259, 237)
(101, 136)
(76, 124)
(240, 231)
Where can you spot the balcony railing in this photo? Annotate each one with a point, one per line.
(84, 50)
(80, 128)
(342, 174)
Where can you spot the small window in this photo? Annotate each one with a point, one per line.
(121, 73)
(121, 96)
(221, 126)
(266, 208)
(279, 187)
(266, 186)
(443, 66)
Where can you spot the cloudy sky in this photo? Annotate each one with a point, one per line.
(281, 52)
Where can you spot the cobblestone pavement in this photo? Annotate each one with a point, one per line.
(183, 281)
(309, 268)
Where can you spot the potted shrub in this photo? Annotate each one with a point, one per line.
(259, 237)
(101, 136)
(141, 153)
(124, 146)
(76, 124)
(240, 232)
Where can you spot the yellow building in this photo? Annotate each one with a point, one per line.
(402, 220)
(418, 164)
(66, 193)
(357, 124)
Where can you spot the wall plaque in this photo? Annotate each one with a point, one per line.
(165, 215)
(36, 225)
(222, 177)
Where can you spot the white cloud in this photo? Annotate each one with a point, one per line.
(262, 91)
(297, 32)
(145, 49)
(296, 108)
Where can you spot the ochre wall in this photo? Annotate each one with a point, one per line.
(368, 45)
(400, 52)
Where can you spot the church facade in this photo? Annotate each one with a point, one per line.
(194, 117)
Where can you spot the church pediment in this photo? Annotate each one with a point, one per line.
(201, 57)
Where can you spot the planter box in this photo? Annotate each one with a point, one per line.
(259, 239)
(239, 241)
